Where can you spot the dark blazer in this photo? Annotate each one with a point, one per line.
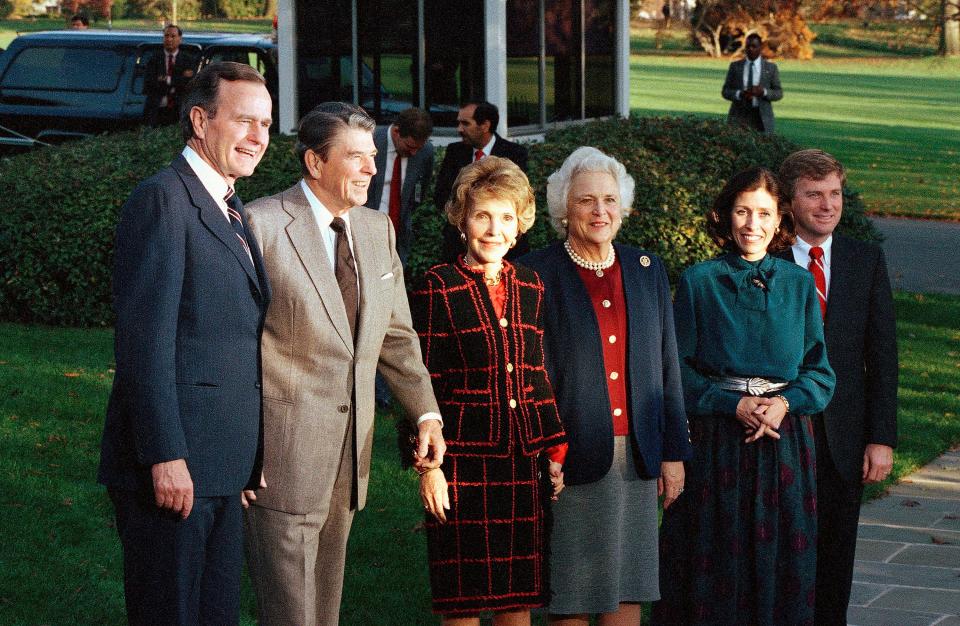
(478, 362)
(574, 358)
(860, 331)
(419, 170)
(155, 79)
(740, 109)
(189, 309)
(457, 156)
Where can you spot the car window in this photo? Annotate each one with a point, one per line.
(64, 68)
(238, 55)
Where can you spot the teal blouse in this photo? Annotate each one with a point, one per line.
(740, 318)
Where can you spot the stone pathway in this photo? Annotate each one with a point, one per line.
(921, 255)
(908, 551)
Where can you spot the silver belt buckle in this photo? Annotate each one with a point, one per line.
(758, 386)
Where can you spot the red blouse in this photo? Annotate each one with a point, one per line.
(606, 295)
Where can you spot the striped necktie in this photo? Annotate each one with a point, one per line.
(234, 206)
(819, 277)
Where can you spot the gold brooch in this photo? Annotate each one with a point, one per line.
(645, 261)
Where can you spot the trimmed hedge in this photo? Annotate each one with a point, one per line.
(58, 207)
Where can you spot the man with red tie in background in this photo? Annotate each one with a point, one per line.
(166, 78)
(477, 126)
(404, 166)
(856, 433)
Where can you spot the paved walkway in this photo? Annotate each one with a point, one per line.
(922, 255)
(908, 551)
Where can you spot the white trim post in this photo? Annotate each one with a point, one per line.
(287, 65)
(495, 57)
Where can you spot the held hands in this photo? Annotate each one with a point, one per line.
(249, 495)
(433, 493)
(430, 446)
(760, 416)
(670, 483)
(556, 479)
(173, 487)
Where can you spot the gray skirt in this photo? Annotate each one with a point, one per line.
(603, 549)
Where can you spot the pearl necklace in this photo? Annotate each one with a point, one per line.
(596, 266)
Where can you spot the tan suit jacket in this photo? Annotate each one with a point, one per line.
(312, 373)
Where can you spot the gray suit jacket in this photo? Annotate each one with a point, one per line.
(769, 80)
(419, 170)
(314, 373)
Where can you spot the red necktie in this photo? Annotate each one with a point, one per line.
(477, 155)
(816, 268)
(170, 79)
(395, 184)
(169, 64)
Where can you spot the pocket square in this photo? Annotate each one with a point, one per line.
(387, 276)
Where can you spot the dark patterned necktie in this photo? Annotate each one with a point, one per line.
(234, 207)
(346, 272)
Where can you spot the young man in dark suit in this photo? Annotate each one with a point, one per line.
(477, 126)
(751, 85)
(856, 433)
(166, 77)
(183, 430)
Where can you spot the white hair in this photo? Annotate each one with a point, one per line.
(585, 159)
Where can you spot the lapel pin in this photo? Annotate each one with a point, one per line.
(645, 261)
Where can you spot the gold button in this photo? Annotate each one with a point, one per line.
(513, 403)
(618, 412)
(503, 322)
(614, 375)
(509, 367)
(612, 339)
(606, 304)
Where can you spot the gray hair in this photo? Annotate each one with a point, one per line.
(585, 159)
(319, 128)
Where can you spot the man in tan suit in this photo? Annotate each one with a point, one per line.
(339, 312)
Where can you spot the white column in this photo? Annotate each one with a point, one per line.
(287, 65)
(495, 57)
(621, 60)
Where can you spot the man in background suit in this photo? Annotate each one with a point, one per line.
(165, 79)
(339, 314)
(477, 126)
(751, 85)
(856, 433)
(404, 166)
(182, 434)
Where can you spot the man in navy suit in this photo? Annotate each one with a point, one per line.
(165, 78)
(404, 149)
(477, 126)
(856, 433)
(751, 85)
(183, 429)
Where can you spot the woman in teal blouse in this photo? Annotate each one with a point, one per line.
(739, 546)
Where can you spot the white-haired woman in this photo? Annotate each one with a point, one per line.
(611, 355)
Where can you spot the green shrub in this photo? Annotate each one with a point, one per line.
(58, 207)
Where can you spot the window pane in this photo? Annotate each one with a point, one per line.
(562, 23)
(454, 63)
(75, 69)
(523, 62)
(599, 17)
(324, 69)
(388, 46)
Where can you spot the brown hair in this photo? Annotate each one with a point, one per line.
(414, 123)
(204, 89)
(813, 164)
(492, 178)
(719, 218)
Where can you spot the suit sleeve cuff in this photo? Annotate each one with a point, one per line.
(430, 416)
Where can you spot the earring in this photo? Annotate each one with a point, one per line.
(564, 222)
(513, 243)
(463, 237)
(777, 231)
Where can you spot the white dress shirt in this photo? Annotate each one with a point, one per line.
(388, 172)
(801, 254)
(756, 77)
(211, 180)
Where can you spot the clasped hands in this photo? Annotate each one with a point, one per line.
(760, 416)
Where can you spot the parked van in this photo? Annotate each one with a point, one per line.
(64, 84)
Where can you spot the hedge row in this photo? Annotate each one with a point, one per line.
(58, 207)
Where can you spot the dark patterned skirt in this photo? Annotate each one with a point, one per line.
(490, 554)
(740, 544)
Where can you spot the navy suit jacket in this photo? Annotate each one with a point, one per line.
(861, 335)
(189, 310)
(574, 357)
(419, 170)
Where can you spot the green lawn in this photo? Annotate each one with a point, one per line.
(61, 560)
(894, 122)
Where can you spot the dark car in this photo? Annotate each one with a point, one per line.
(65, 84)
